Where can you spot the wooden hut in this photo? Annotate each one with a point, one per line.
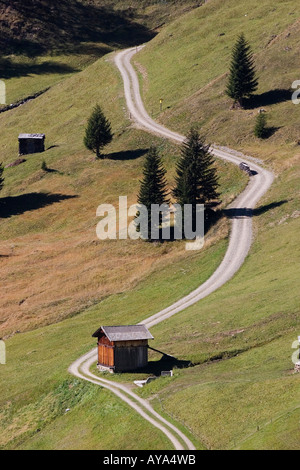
(122, 348)
(31, 143)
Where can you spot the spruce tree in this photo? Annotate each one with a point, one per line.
(196, 180)
(242, 82)
(98, 132)
(153, 186)
(260, 129)
(1, 177)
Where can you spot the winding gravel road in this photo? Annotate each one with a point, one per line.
(238, 248)
(241, 230)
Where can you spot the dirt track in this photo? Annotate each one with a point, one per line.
(241, 230)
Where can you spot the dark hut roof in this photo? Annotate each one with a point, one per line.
(124, 333)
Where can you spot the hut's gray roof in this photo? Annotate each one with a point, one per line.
(124, 333)
(31, 136)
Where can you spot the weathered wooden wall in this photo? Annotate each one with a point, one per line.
(131, 357)
(122, 355)
(106, 355)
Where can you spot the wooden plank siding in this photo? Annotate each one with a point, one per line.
(106, 355)
(122, 355)
(130, 358)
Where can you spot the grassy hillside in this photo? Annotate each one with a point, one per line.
(244, 395)
(35, 27)
(25, 391)
(241, 391)
(44, 42)
(245, 346)
(187, 66)
(38, 26)
(48, 236)
(48, 225)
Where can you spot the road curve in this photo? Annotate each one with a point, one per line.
(238, 248)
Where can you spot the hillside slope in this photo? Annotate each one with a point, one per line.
(242, 334)
(48, 225)
(43, 42)
(39, 26)
(241, 392)
(187, 65)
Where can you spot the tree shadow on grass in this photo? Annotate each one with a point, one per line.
(52, 147)
(52, 170)
(16, 205)
(279, 95)
(267, 207)
(127, 154)
(167, 234)
(269, 131)
(212, 216)
(9, 69)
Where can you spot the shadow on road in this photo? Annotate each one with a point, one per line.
(245, 212)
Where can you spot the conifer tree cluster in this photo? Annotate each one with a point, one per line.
(242, 82)
(196, 180)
